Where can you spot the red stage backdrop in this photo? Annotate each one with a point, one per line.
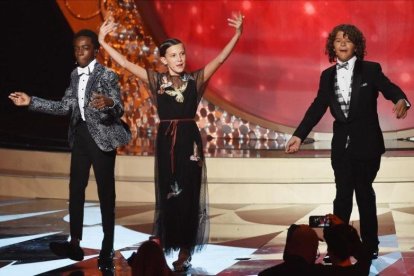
(274, 71)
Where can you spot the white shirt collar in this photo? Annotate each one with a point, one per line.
(87, 69)
(351, 63)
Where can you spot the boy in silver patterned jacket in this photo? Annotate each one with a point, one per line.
(96, 130)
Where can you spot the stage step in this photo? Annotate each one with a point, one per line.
(37, 174)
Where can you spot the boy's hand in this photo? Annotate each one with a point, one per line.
(400, 109)
(100, 101)
(293, 144)
(20, 98)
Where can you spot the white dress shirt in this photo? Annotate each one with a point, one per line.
(83, 80)
(344, 77)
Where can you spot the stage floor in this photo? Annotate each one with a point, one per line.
(244, 238)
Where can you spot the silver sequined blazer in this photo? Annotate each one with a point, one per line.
(105, 125)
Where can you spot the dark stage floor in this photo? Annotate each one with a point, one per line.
(244, 238)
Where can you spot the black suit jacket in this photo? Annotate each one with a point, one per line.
(362, 125)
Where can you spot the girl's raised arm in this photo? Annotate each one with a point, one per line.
(237, 22)
(107, 27)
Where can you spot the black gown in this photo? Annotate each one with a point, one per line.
(181, 215)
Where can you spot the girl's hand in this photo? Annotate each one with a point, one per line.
(237, 22)
(107, 27)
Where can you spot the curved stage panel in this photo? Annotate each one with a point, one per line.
(272, 179)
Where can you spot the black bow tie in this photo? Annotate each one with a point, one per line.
(343, 65)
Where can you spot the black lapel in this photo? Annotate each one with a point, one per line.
(356, 85)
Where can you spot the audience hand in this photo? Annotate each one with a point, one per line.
(334, 220)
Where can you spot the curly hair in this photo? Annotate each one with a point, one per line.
(353, 33)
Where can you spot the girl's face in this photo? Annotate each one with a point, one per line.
(344, 48)
(174, 59)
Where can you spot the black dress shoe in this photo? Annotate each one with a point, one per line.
(327, 260)
(106, 262)
(67, 250)
(374, 254)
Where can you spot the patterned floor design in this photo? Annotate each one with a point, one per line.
(244, 239)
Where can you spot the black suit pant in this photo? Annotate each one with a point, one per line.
(85, 153)
(357, 175)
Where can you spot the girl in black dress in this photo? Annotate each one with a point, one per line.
(181, 217)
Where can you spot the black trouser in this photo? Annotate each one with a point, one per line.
(85, 153)
(354, 174)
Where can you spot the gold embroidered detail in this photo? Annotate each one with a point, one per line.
(177, 92)
(171, 88)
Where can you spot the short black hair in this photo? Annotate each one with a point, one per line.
(167, 44)
(353, 33)
(88, 33)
